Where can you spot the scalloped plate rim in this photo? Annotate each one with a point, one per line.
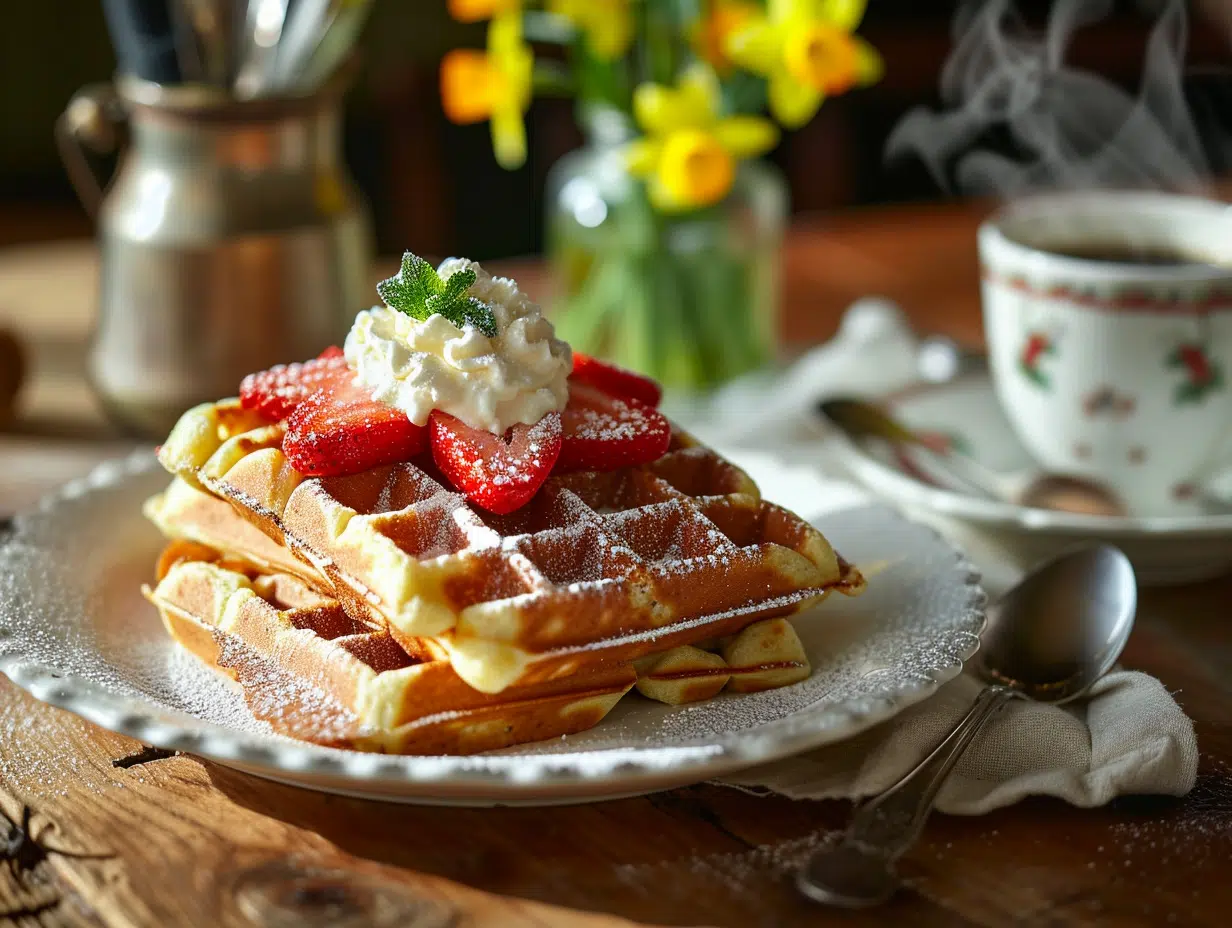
(448, 780)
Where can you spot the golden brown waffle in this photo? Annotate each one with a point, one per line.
(599, 569)
(763, 656)
(312, 672)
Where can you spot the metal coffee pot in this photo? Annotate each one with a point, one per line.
(231, 238)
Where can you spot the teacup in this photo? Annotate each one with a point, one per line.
(1109, 325)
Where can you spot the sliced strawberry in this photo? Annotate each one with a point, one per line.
(347, 432)
(276, 392)
(499, 474)
(617, 381)
(604, 432)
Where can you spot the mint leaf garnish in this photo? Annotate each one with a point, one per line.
(418, 291)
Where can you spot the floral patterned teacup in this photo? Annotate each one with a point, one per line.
(1109, 325)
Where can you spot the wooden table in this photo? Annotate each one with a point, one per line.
(120, 835)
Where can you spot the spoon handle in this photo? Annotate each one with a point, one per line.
(855, 871)
(891, 822)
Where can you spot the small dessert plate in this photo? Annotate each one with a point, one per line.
(76, 633)
(964, 413)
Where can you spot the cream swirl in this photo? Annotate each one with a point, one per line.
(518, 376)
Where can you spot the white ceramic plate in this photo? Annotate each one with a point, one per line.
(76, 633)
(1163, 549)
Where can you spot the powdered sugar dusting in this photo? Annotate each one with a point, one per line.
(69, 600)
(284, 701)
(735, 873)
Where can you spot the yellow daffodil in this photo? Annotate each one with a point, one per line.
(689, 153)
(607, 24)
(493, 85)
(807, 52)
(710, 33)
(473, 11)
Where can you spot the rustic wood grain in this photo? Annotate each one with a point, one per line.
(189, 842)
(157, 842)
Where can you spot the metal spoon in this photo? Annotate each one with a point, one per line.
(263, 26)
(303, 30)
(212, 23)
(861, 420)
(1050, 639)
(318, 36)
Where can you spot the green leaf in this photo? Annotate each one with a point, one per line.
(418, 291)
(408, 290)
(459, 282)
(1188, 393)
(1035, 375)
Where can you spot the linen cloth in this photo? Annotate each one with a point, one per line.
(1129, 736)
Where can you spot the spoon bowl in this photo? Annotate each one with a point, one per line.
(862, 421)
(1049, 639)
(1062, 627)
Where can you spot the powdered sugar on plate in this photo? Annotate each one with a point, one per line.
(76, 632)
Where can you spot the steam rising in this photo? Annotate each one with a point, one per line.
(1072, 129)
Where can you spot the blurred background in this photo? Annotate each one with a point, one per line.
(435, 187)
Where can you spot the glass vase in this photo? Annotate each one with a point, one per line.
(690, 299)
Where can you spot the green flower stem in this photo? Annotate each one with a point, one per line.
(553, 79)
(660, 34)
(639, 314)
(673, 297)
(594, 309)
(744, 93)
(599, 81)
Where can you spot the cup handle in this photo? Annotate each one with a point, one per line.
(94, 120)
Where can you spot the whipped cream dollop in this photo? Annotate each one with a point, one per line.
(519, 376)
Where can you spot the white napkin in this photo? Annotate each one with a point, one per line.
(1128, 737)
(873, 352)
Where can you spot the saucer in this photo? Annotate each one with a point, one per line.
(1164, 549)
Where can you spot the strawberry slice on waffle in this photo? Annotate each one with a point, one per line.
(616, 381)
(333, 425)
(605, 432)
(347, 432)
(500, 474)
(276, 393)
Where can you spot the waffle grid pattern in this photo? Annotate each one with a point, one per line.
(591, 570)
(313, 672)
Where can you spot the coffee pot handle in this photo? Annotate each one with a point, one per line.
(93, 120)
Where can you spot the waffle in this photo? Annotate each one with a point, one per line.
(597, 570)
(314, 673)
(763, 656)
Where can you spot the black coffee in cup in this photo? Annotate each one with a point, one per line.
(1128, 253)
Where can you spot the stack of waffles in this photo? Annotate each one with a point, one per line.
(383, 611)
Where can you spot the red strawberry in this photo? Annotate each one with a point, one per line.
(499, 474)
(276, 392)
(616, 381)
(346, 432)
(604, 432)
